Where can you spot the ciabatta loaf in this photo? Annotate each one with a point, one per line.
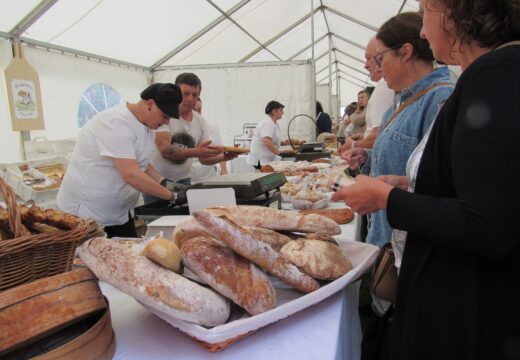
(230, 274)
(152, 284)
(269, 218)
(245, 243)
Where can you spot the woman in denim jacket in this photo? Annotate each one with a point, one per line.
(406, 62)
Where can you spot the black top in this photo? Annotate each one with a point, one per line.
(458, 295)
(323, 123)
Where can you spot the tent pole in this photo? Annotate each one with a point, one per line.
(330, 73)
(313, 72)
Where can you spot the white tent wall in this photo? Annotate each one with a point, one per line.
(63, 79)
(233, 95)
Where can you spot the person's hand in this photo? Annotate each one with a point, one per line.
(365, 196)
(356, 137)
(228, 155)
(203, 151)
(355, 157)
(178, 191)
(285, 142)
(394, 180)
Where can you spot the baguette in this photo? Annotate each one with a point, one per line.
(229, 274)
(152, 284)
(340, 216)
(261, 216)
(245, 243)
(271, 237)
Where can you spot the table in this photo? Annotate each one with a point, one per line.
(328, 330)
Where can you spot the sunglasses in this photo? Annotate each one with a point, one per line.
(378, 58)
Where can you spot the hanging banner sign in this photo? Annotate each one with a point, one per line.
(23, 93)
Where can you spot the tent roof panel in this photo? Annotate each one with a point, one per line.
(129, 36)
(18, 9)
(216, 46)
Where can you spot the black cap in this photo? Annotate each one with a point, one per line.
(167, 97)
(271, 105)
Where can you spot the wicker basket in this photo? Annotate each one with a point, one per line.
(31, 257)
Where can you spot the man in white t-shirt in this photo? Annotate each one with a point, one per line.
(198, 171)
(185, 138)
(381, 99)
(110, 163)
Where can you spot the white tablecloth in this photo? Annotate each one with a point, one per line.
(328, 330)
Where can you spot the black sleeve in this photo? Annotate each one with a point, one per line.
(482, 216)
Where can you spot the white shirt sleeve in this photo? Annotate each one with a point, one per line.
(269, 130)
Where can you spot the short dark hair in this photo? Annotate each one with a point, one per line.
(369, 90)
(188, 79)
(167, 97)
(319, 108)
(406, 28)
(488, 22)
(272, 105)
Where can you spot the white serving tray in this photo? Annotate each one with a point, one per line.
(290, 301)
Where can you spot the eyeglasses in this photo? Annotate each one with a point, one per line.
(378, 58)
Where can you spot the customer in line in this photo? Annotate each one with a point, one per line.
(406, 62)
(457, 295)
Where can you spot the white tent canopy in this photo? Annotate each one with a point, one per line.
(149, 39)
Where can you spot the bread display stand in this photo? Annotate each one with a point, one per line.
(290, 301)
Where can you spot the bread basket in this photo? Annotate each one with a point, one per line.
(30, 257)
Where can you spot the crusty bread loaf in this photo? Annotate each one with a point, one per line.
(269, 218)
(187, 229)
(271, 237)
(340, 216)
(164, 252)
(320, 259)
(231, 275)
(152, 284)
(245, 243)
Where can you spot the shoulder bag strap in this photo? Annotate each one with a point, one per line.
(412, 99)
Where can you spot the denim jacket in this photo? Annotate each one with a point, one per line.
(395, 143)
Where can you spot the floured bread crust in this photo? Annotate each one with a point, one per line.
(152, 284)
(320, 259)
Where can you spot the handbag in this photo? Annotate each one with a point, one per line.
(384, 277)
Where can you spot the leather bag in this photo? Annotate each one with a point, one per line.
(384, 277)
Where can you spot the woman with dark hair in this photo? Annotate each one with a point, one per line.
(323, 120)
(406, 63)
(267, 137)
(457, 295)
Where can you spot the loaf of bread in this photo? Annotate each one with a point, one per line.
(152, 284)
(231, 275)
(261, 216)
(271, 237)
(164, 252)
(187, 229)
(245, 243)
(340, 216)
(317, 258)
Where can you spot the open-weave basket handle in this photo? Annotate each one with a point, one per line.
(15, 220)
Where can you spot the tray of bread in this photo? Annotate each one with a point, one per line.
(228, 271)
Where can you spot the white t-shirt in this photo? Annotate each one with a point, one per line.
(186, 134)
(93, 187)
(198, 171)
(382, 98)
(258, 151)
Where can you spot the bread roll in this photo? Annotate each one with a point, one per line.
(320, 259)
(152, 284)
(164, 252)
(186, 229)
(229, 274)
(261, 216)
(245, 243)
